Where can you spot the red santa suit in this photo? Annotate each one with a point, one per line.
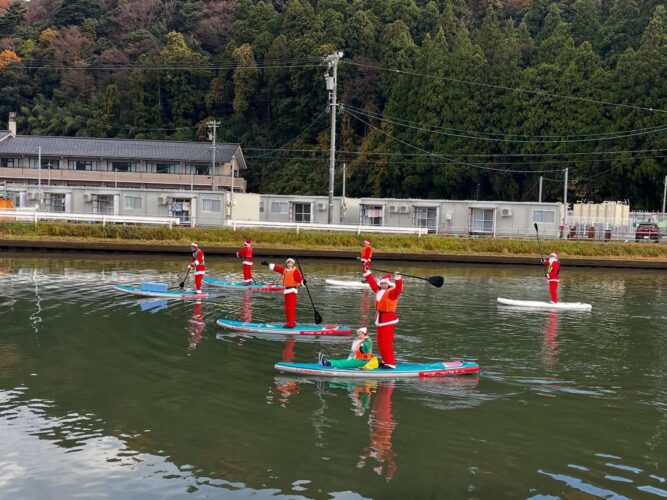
(553, 278)
(198, 263)
(246, 254)
(366, 254)
(386, 318)
(292, 278)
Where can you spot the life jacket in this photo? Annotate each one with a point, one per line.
(288, 278)
(366, 254)
(553, 271)
(366, 356)
(386, 304)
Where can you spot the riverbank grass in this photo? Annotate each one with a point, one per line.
(276, 239)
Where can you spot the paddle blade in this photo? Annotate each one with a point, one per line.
(535, 226)
(181, 284)
(436, 281)
(318, 318)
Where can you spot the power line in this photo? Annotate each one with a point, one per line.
(382, 116)
(481, 167)
(413, 125)
(503, 87)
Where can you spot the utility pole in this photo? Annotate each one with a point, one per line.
(212, 128)
(231, 201)
(540, 197)
(565, 203)
(39, 177)
(331, 78)
(664, 198)
(344, 168)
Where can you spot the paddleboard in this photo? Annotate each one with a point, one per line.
(536, 304)
(258, 287)
(402, 370)
(273, 328)
(168, 294)
(347, 284)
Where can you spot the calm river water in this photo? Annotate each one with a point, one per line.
(106, 396)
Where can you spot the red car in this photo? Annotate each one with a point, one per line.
(648, 231)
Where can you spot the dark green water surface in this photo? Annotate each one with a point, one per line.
(106, 396)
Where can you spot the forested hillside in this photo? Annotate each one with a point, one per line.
(442, 98)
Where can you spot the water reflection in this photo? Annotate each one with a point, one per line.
(196, 326)
(550, 344)
(381, 426)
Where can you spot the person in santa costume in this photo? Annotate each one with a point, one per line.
(292, 278)
(246, 254)
(552, 274)
(366, 255)
(198, 264)
(386, 301)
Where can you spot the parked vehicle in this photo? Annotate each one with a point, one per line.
(648, 231)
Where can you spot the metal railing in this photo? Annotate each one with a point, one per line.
(35, 217)
(307, 226)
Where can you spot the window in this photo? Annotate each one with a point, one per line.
(302, 212)
(210, 205)
(371, 215)
(261, 207)
(83, 165)
(133, 202)
(426, 217)
(279, 207)
(46, 164)
(196, 169)
(547, 216)
(103, 204)
(161, 168)
(124, 166)
(482, 220)
(10, 162)
(55, 202)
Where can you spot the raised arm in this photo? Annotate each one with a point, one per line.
(370, 279)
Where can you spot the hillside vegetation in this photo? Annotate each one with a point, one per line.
(439, 99)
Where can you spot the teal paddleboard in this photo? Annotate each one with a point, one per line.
(402, 370)
(166, 294)
(278, 328)
(257, 287)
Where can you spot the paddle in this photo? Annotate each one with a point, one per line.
(182, 283)
(539, 245)
(318, 317)
(436, 281)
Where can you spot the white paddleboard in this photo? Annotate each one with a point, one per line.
(347, 284)
(536, 304)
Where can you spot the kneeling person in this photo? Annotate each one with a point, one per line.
(361, 353)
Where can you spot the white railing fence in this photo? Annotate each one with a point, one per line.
(22, 215)
(306, 226)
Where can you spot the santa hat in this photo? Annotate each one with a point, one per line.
(553, 256)
(366, 242)
(386, 278)
(193, 244)
(289, 259)
(247, 243)
(363, 330)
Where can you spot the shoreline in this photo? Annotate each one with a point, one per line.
(114, 247)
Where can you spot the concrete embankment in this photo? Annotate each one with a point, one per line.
(110, 247)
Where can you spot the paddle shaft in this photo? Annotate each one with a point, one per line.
(539, 245)
(318, 316)
(182, 283)
(433, 280)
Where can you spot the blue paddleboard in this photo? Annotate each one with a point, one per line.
(402, 370)
(258, 287)
(167, 294)
(299, 329)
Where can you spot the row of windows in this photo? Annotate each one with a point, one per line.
(135, 203)
(373, 215)
(116, 166)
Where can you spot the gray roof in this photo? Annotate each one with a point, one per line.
(119, 149)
